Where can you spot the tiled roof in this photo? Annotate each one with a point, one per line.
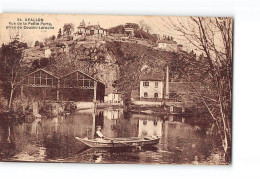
(96, 27)
(152, 77)
(82, 24)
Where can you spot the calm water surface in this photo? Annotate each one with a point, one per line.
(53, 140)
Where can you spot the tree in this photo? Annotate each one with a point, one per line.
(132, 25)
(68, 29)
(145, 27)
(213, 38)
(59, 34)
(144, 35)
(52, 37)
(120, 29)
(10, 60)
(37, 43)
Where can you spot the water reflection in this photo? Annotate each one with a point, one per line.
(148, 125)
(54, 139)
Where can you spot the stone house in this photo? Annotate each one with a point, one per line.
(151, 86)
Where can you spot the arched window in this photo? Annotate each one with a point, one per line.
(145, 94)
(155, 95)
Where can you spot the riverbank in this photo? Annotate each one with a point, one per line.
(37, 109)
(8, 116)
(164, 110)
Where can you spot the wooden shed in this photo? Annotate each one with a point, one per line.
(79, 86)
(75, 86)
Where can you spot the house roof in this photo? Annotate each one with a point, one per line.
(152, 77)
(82, 24)
(90, 27)
(129, 28)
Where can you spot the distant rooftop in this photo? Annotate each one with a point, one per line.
(167, 41)
(90, 27)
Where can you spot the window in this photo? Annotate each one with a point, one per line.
(156, 84)
(83, 81)
(146, 83)
(155, 95)
(145, 94)
(40, 79)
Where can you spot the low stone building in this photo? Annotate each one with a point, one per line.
(113, 97)
(168, 45)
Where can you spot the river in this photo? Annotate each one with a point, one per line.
(53, 140)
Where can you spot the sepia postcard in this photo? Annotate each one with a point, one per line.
(116, 89)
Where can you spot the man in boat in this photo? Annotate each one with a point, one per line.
(98, 135)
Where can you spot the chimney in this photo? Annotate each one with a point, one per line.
(167, 83)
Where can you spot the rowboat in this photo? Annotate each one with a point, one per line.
(120, 142)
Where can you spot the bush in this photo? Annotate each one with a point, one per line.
(144, 35)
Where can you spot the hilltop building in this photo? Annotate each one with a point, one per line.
(129, 31)
(89, 30)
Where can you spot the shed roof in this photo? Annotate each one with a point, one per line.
(41, 70)
(57, 74)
